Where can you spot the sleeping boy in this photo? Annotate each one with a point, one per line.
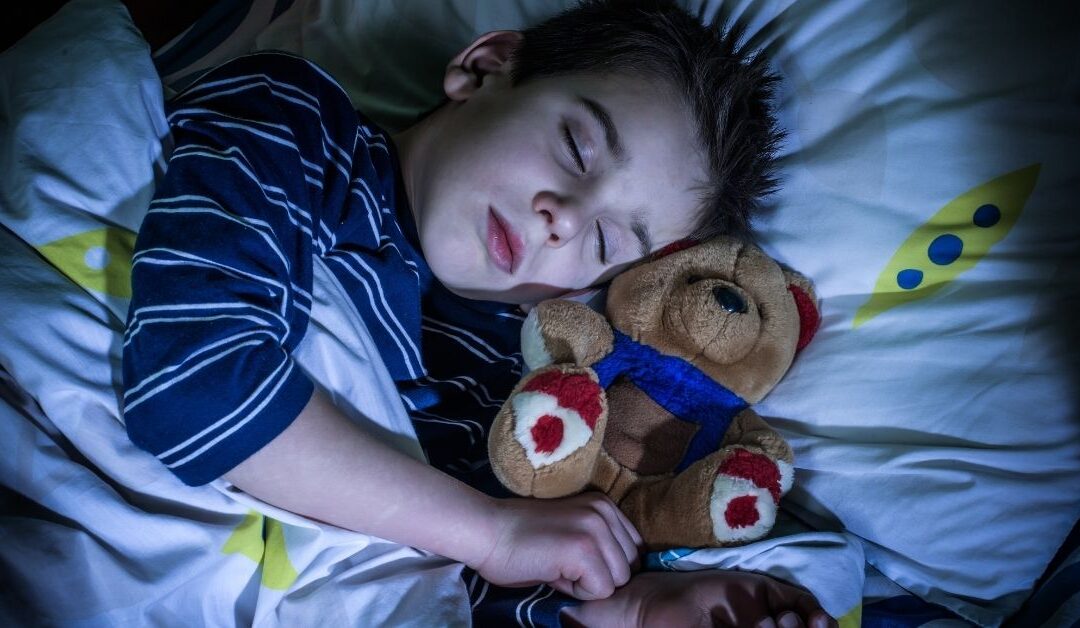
(561, 155)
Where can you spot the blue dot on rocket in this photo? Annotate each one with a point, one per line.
(986, 216)
(909, 278)
(945, 249)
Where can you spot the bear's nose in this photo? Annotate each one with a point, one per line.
(729, 300)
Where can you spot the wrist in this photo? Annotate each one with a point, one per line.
(465, 529)
(488, 530)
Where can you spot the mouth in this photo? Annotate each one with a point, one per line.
(504, 245)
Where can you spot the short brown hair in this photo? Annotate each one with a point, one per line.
(727, 89)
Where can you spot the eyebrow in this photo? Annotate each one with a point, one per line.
(603, 118)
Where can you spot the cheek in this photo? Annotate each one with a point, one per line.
(484, 174)
(451, 251)
(464, 157)
(512, 173)
(571, 268)
(508, 150)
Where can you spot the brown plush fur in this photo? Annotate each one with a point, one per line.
(670, 304)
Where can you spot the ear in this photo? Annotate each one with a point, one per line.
(674, 247)
(806, 302)
(489, 54)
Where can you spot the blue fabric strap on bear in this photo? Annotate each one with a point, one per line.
(677, 386)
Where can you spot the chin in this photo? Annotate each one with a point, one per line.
(481, 295)
(449, 275)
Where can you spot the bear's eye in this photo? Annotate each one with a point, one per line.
(693, 279)
(729, 300)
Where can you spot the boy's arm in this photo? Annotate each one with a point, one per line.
(222, 272)
(324, 467)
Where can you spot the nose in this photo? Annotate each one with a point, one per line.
(563, 219)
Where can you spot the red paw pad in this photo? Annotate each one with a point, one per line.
(573, 391)
(547, 433)
(742, 512)
(757, 468)
(555, 414)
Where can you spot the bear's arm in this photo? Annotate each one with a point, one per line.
(558, 331)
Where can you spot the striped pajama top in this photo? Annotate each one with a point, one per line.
(270, 167)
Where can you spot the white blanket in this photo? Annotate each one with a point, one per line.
(95, 531)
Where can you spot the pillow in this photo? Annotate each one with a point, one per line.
(390, 56)
(925, 191)
(927, 185)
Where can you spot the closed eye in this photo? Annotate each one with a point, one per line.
(601, 243)
(572, 147)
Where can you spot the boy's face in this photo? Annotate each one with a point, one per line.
(526, 193)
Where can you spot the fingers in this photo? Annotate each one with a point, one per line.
(618, 539)
(598, 576)
(794, 607)
(562, 585)
(626, 534)
(806, 611)
(615, 558)
(582, 589)
(618, 567)
(821, 619)
(814, 619)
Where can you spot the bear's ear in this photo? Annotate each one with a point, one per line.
(674, 247)
(806, 302)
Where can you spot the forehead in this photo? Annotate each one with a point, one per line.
(663, 170)
(639, 105)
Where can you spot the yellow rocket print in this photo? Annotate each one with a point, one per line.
(952, 241)
(262, 539)
(98, 260)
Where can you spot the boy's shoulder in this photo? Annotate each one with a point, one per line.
(292, 76)
(296, 84)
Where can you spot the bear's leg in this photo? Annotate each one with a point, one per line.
(546, 438)
(752, 432)
(728, 497)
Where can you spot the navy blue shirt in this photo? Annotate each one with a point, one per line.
(271, 166)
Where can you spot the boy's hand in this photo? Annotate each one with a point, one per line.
(582, 546)
(703, 598)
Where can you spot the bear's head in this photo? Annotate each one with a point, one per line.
(724, 306)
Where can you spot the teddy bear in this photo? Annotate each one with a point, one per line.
(651, 403)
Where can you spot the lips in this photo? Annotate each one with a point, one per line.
(504, 245)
